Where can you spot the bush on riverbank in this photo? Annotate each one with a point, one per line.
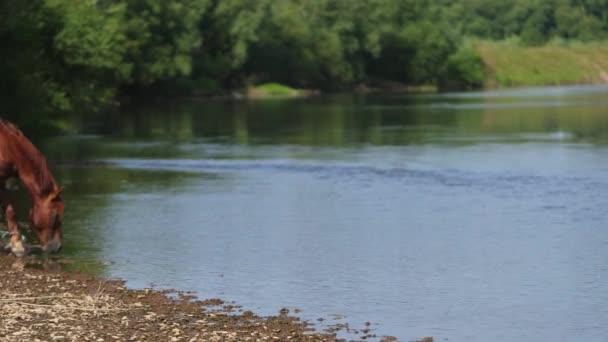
(272, 89)
(465, 70)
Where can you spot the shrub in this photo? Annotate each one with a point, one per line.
(274, 89)
(465, 70)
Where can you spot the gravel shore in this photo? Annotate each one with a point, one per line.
(39, 305)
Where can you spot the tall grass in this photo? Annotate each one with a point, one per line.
(559, 62)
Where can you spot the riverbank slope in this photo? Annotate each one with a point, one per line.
(509, 64)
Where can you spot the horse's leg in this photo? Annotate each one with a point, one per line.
(15, 244)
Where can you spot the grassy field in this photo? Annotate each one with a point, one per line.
(509, 64)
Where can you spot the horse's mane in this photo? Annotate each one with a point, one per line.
(26, 157)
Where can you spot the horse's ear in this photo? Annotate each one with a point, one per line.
(56, 194)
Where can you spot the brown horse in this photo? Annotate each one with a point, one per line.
(20, 158)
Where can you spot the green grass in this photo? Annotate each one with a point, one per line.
(509, 64)
(273, 89)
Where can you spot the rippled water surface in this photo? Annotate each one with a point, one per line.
(467, 217)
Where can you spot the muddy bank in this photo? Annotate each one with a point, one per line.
(47, 305)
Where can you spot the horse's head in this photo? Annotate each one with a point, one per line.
(46, 216)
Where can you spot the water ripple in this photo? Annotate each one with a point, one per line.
(555, 185)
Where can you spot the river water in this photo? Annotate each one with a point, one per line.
(463, 216)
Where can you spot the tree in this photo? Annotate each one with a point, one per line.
(59, 56)
(228, 29)
(539, 25)
(162, 36)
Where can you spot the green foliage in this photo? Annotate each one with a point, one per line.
(465, 69)
(274, 89)
(89, 35)
(298, 46)
(432, 47)
(59, 56)
(538, 26)
(228, 28)
(162, 36)
(68, 55)
(91, 42)
(535, 20)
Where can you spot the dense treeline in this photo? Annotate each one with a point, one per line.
(76, 55)
(535, 21)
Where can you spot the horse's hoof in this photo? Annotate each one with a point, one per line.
(19, 254)
(18, 249)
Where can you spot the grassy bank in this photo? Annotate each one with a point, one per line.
(509, 64)
(277, 90)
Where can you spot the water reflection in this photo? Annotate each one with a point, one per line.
(158, 129)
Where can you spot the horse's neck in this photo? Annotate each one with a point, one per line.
(36, 187)
(21, 158)
(35, 177)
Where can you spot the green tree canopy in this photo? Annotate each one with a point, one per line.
(68, 55)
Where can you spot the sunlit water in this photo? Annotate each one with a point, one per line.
(467, 217)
